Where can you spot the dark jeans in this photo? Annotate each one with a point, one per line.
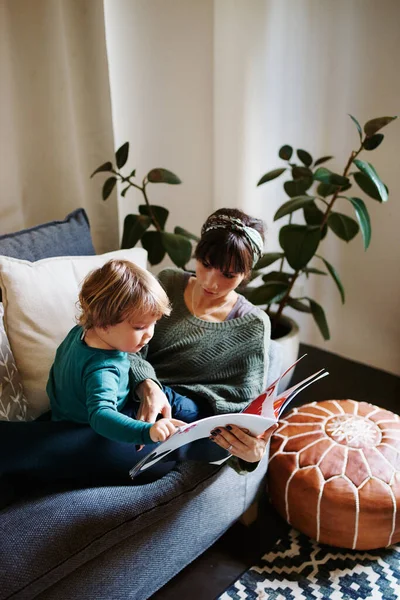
(73, 455)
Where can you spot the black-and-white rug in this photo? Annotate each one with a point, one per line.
(301, 569)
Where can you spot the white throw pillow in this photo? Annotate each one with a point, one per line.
(40, 308)
(13, 404)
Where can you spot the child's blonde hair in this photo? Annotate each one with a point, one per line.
(117, 291)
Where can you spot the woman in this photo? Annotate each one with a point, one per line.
(214, 346)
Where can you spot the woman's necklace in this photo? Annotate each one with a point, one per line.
(208, 312)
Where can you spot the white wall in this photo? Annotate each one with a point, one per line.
(212, 89)
(160, 60)
(289, 73)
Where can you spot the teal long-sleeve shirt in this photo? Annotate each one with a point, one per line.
(91, 385)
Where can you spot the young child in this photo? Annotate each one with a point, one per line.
(89, 380)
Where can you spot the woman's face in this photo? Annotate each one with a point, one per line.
(215, 283)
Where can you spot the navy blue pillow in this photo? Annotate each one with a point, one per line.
(70, 237)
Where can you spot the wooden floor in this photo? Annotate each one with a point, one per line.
(240, 547)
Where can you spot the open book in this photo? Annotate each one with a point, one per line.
(257, 417)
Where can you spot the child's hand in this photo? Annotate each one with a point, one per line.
(162, 429)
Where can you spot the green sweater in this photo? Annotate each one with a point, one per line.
(91, 385)
(225, 363)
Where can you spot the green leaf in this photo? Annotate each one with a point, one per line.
(298, 305)
(327, 189)
(335, 277)
(292, 205)
(370, 143)
(267, 259)
(358, 126)
(348, 185)
(286, 152)
(363, 219)
(134, 228)
(185, 233)
(314, 216)
(320, 318)
(297, 187)
(178, 247)
(313, 271)
(277, 277)
(133, 173)
(368, 186)
(300, 243)
(343, 226)
(253, 275)
(370, 172)
(375, 125)
(271, 175)
(305, 157)
(301, 172)
(107, 166)
(121, 155)
(108, 187)
(152, 242)
(125, 190)
(160, 213)
(163, 176)
(322, 160)
(326, 176)
(268, 293)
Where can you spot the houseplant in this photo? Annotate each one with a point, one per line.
(149, 225)
(316, 191)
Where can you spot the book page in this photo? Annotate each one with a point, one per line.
(257, 417)
(202, 429)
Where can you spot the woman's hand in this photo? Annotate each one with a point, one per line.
(239, 442)
(153, 402)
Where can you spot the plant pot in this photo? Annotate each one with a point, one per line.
(287, 335)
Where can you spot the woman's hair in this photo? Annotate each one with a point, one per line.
(117, 291)
(227, 248)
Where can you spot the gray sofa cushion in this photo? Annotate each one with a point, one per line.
(70, 237)
(141, 536)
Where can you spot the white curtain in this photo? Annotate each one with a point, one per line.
(55, 115)
(209, 89)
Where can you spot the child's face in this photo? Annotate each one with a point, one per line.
(129, 335)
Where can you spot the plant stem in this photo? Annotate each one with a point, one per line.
(353, 155)
(284, 300)
(152, 215)
(143, 190)
(127, 180)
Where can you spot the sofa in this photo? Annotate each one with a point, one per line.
(108, 542)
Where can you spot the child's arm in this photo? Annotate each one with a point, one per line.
(105, 419)
(101, 401)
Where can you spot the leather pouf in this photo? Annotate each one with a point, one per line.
(334, 473)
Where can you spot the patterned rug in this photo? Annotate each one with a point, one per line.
(299, 568)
